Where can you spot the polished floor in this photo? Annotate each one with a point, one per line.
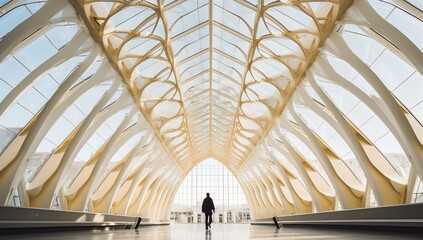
(218, 232)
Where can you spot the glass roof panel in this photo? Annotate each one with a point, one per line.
(229, 42)
(187, 18)
(417, 3)
(17, 15)
(230, 20)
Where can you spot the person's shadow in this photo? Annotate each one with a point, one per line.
(208, 234)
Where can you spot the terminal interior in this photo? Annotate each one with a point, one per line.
(301, 118)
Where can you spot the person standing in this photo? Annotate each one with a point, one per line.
(208, 209)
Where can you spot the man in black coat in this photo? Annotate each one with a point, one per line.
(208, 209)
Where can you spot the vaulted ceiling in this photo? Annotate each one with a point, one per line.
(212, 76)
(312, 105)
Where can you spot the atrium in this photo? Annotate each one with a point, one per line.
(118, 111)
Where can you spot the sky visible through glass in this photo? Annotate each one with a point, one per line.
(213, 177)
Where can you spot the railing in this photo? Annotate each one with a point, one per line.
(408, 215)
(15, 220)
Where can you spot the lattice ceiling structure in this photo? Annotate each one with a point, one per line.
(211, 77)
(268, 88)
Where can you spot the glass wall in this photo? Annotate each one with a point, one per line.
(210, 176)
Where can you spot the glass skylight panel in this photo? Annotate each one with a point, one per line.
(101, 10)
(11, 122)
(150, 68)
(195, 70)
(4, 2)
(87, 101)
(256, 110)
(391, 69)
(194, 49)
(11, 79)
(7, 135)
(223, 88)
(62, 71)
(219, 98)
(198, 60)
(186, 38)
(364, 86)
(266, 2)
(391, 78)
(165, 109)
(229, 43)
(390, 147)
(193, 83)
(324, 130)
(58, 132)
(278, 46)
(409, 93)
(156, 90)
(74, 115)
(338, 145)
(294, 141)
(231, 19)
(90, 71)
(195, 46)
(343, 99)
(113, 122)
(116, 95)
(268, 68)
(285, 162)
(175, 13)
(199, 71)
(285, 16)
(130, 17)
(235, 8)
(126, 148)
(382, 8)
(314, 121)
(13, 18)
(360, 114)
(227, 70)
(416, 3)
(188, 20)
(238, 9)
(365, 47)
(35, 53)
(99, 137)
(62, 34)
(226, 60)
(264, 90)
(141, 46)
(252, 2)
(374, 129)
(32, 100)
(4, 89)
(169, 2)
(342, 68)
(298, 16)
(305, 86)
(313, 5)
(32, 170)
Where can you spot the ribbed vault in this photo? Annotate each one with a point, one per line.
(211, 77)
(312, 105)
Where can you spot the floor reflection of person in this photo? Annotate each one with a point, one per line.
(208, 210)
(208, 235)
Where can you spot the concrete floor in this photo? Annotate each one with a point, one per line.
(218, 232)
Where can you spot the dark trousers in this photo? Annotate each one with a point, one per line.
(208, 219)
